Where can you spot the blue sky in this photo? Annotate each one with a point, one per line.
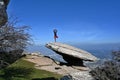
(77, 21)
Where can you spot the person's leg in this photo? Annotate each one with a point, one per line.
(55, 39)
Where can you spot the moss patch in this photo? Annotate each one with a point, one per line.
(24, 70)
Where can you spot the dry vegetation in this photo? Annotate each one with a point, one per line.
(13, 40)
(109, 70)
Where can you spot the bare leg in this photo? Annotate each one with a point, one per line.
(55, 39)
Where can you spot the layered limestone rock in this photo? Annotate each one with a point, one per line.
(49, 64)
(3, 13)
(72, 55)
(82, 75)
(69, 72)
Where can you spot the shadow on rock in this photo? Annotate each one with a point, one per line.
(49, 78)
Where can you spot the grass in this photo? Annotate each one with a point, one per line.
(24, 70)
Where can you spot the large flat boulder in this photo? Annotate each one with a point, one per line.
(71, 54)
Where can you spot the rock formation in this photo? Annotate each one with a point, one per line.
(49, 64)
(72, 55)
(3, 13)
(82, 75)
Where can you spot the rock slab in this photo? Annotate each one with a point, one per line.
(69, 72)
(82, 75)
(71, 54)
(48, 64)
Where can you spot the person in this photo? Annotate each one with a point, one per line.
(55, 34)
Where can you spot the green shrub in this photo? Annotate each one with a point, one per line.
(17, 72)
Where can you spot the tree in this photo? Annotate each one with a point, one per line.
(116, 56)
(13, 40)
(3, 13)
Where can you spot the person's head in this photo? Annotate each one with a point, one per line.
(55, 30)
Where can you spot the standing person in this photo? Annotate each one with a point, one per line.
(55, 34)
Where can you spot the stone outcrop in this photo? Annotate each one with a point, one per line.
(3, 13)
(72, 55)
(49, 64)
(69, 72)
(82, 75)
